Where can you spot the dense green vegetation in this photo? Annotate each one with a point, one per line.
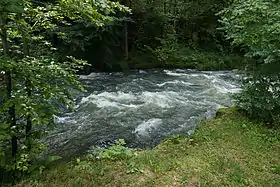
(158, 34)
(38, 79)
(255, 25)
(45, 44)
(230, 150)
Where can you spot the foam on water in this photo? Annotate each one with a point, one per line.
(146, 127)
(109, 99)
(122, 100)
(166, 99)
(172, 73)
(58, 119)
(143, 107)
(174, 82)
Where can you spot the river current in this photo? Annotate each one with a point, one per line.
(142, 107)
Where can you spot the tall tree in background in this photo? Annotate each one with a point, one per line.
(172, 31)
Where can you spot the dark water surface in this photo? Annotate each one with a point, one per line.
(141, 107)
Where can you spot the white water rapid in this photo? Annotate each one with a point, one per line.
(141, 107)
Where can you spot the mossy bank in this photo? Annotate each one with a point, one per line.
(229, 150)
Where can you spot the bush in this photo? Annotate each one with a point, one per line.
(114, 152)
(260, 98)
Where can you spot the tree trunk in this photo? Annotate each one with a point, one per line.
(124, 64)
(164, 7)
(12, 114)
(126, 40)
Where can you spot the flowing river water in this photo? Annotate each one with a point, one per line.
(142, 107)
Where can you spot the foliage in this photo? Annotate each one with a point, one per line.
(169, 46)
(260, 98)
(193, 21)
(11, 6)
(255, 25)
(174, 55)
(180, 34)
(98, 155)
(39, 80)
(114, 152)
(91, 12)
(277, 169)
(156, 30)
(93, 41)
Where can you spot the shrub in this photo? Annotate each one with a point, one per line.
(114, 152)
(260, 98)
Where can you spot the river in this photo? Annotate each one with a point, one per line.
(142, 107)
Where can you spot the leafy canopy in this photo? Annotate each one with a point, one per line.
(41, 78)
(254, 24)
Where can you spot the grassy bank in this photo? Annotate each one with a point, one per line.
(229, 150)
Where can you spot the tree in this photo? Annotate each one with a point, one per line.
(172, 31)
(38, 78)
(191, 23)
(255, 26)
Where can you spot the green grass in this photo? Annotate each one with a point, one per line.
(229, 150)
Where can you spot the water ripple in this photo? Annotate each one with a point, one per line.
(142, 107)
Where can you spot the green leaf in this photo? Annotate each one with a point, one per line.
(13, 6)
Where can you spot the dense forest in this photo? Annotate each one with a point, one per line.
(45, 45)
(156, 34)
(152, 34)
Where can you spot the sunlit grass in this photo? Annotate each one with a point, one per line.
(227, 151)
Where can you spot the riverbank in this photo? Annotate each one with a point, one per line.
(229, 150)
(187, 58)
(181, 58)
